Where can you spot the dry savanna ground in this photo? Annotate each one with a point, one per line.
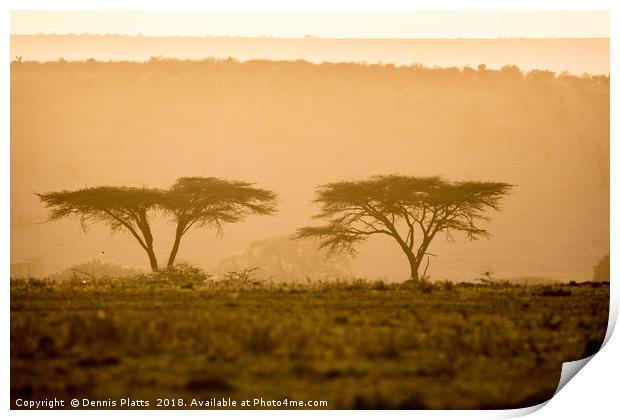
(355, 345)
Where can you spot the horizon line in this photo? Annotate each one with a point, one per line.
(419, 65)
(309, 37)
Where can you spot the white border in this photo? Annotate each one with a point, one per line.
(250, 5)
(593, 394)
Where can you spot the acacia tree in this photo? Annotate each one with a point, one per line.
(213, 202)
(122, 208)
(411, 210)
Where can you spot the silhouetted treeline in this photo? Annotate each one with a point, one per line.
(304, 70)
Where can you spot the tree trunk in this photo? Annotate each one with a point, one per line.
(152, 259)
(414, 265)
(148, 243)
(414, 273)
(180, 230)
(175, 249)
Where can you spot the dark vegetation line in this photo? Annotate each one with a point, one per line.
(302, 69)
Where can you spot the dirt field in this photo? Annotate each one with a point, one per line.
(355, 345)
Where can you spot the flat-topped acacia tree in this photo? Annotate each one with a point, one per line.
(122, 208)
(411, 210)
(213, 202)
(199, 202)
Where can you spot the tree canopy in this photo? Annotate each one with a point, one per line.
(412, 210)
(213, 202)
(122, 208)
(195, 201)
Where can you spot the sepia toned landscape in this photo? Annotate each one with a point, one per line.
(372, 224)
(356, 345)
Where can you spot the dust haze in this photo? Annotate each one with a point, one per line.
(289, 125)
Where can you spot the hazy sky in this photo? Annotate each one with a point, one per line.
(332, 24)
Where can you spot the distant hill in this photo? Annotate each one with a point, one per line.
(588, 55)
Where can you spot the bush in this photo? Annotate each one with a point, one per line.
(241, 279)
(602, 269)
(184, 275)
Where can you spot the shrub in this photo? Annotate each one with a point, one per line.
(184, 275)
(553, 291)
(602, 269)
(243, 277)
